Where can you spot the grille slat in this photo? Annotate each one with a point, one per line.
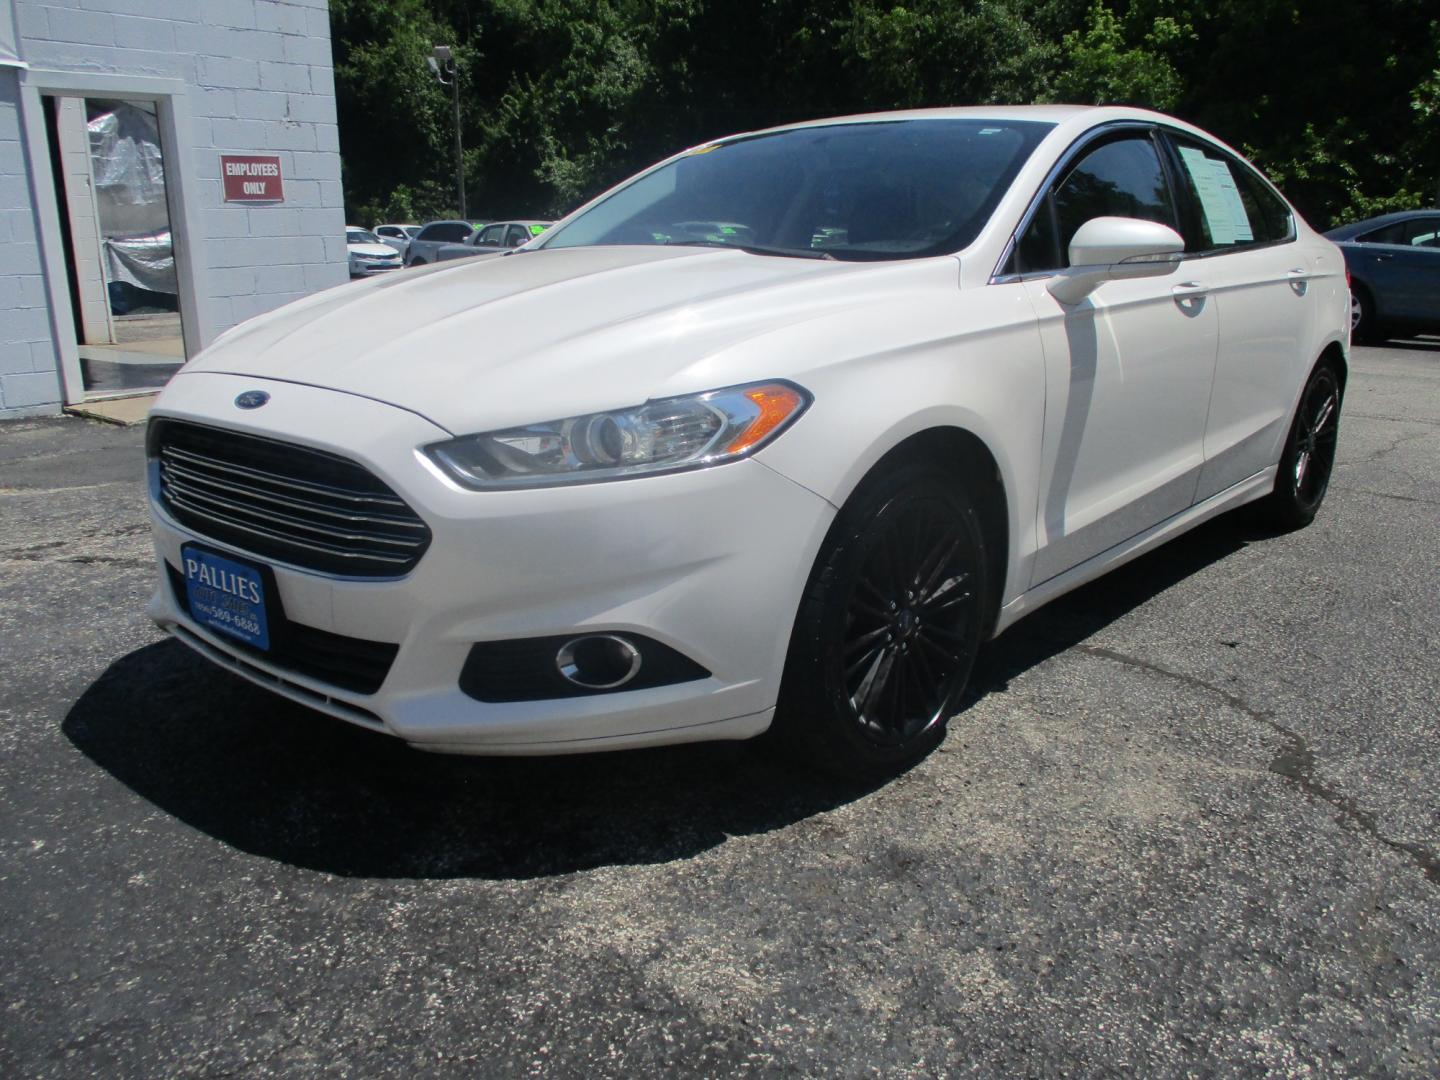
(180, 476)
(261, 536)
(280, 481)
(285, 502)
(283, 522)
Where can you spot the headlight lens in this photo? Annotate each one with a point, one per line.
(659, 436)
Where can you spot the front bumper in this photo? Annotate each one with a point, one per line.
(367, 269)
(710, 563)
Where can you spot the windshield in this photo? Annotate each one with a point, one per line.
(360, 236)
(891, 189)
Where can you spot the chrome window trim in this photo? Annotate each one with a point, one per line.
(1071, 152)
(998, 277)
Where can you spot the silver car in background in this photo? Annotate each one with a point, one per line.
(396, 236)
(434, 235)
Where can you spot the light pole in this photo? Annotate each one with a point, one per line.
(442, 65)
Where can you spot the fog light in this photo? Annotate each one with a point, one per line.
(598, 661)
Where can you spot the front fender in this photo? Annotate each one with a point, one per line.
(970, 360)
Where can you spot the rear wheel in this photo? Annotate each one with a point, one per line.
(1363, 326)
(889, 626)
(1309, 456)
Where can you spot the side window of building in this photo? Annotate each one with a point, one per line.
(1233, 207)
(1120, 178)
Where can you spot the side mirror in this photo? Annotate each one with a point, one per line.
(1106, 248)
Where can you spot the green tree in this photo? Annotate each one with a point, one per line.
(1339, 103)
(1110, 63)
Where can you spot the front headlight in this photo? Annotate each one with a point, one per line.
(659, 436)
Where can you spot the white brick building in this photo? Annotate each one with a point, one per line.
(125, 250)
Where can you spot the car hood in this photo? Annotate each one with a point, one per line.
(489, 343)
(370, 249)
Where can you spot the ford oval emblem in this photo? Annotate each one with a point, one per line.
(251, 399)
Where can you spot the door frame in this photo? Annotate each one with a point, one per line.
(172, 112)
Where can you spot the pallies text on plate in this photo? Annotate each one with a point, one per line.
(223, 580)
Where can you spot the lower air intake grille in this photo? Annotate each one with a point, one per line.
(285, 502)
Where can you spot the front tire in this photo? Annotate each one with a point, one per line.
(1309, 456)
(889, 626)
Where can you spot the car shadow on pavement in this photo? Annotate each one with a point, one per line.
(280, 781)
(1419, 343)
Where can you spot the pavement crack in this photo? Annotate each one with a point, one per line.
(1295, 761)
(1386, 495)
(1393, 445)
(1393, 419)
(83, 560)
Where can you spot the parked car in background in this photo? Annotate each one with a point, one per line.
(618, 489)
(435, 234)
(397, 236)
(1394, 264)
(367, 254)
(494, 238)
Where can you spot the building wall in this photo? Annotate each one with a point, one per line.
(260, 79)
(29, 380)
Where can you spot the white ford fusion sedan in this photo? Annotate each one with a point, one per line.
(775, 433)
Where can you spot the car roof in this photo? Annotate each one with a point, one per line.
(1067, 121)
(1059, 115)
(447, 221)
(1355, 228)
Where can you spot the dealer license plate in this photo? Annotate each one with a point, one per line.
(226, 595)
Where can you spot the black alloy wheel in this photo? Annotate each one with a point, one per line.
(889, 627)
(1309, 456)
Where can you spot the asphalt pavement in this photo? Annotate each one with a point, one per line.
(1189, 823)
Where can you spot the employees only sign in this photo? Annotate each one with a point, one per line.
(252, 178)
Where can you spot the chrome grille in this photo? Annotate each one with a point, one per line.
(284, 502)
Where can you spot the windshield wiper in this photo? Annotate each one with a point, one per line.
(753, 249)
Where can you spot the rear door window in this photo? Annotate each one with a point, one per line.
(1230, 206)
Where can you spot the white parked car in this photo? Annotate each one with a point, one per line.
(367, 254)
(776, 433)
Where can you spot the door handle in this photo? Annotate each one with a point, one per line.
(1188, 289)
(1383, 257)
(1299, 280)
